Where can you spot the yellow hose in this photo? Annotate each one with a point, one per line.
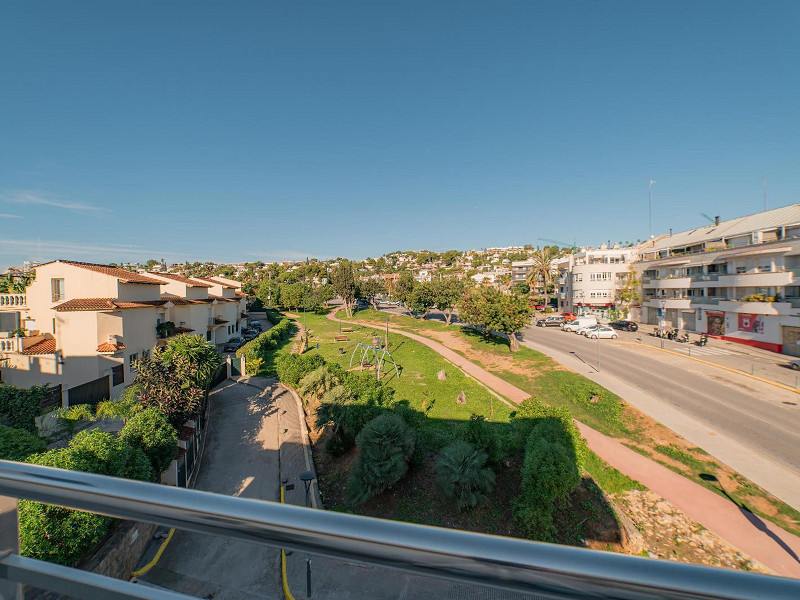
(153, 562)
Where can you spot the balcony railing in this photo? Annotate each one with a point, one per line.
(544, 570)
(13, 301)
(11, 344)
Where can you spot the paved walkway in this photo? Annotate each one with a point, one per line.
(765, 542)
(240, 459)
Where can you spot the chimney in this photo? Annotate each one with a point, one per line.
(670, 232)
(716, 220)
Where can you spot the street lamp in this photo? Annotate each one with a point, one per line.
(307, 477)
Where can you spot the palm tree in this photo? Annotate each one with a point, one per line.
(542, 270)
(319, 382)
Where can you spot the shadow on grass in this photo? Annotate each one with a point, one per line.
(487, 338)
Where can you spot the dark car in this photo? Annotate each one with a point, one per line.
(624, 325)
(249, 334)
(554, 321)
(233, 344)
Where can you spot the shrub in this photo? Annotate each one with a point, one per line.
(463, 474)
(292, 368)
(384, 446)
(479, 433)
(19, 407)
(70, 416)
(18, 444)
(61, 535)
(532, 413)
(151, 431)
(123, 407)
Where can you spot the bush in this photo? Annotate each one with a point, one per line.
(151, 431)
(292, 368)
(265, 344)
(123, 407)
(70, 416)
(463, 474)
(62, 535)
(479, 433)
(18, 444)
(549, 475)
(385, 445)
(19, 407)
(533, 413)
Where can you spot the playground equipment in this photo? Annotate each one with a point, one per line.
(373, 355)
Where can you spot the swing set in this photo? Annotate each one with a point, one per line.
(373, 355)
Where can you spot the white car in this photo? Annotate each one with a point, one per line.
(601, 332)
(585, 330)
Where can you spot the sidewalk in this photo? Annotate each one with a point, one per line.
(765, 542)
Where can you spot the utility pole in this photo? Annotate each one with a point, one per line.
(650, 205)
(764, 189)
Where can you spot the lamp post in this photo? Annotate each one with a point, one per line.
(307, 477)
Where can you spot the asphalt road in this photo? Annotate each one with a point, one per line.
(763, 419)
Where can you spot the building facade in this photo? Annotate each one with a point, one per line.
(86, 324)
(738, 280)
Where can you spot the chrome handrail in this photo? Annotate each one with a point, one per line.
(551, 571)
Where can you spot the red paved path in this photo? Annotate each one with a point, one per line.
(762, 540)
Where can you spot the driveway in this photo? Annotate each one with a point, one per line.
(240, 459)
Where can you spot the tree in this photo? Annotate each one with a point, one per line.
(171, 386)
(420, 300)
(294, 295)
(203, 357)
(447, 291)
(520, 289)
(629, 294)
(344, 284)
(325, 293)
(463, 475)
(404, 288)
(491, 310)
(269, 292)
(542, 270)
(368, 289)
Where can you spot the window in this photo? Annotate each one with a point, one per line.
(606, 276)
(133, 357)
(57, 288)
(741, 270)
(54, 326)
(765, 268)
(208, 336)
(117, 375)
(577, 277)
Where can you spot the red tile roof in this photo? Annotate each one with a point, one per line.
(122, 275)
(180, 329)
(47, 346)
(182, 279)
(221, 299)
(111, 348)
(222, 283)
(219, 320)
(105, 304)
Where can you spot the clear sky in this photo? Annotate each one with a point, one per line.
(278, 130)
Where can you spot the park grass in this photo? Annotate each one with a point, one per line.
(544, 378)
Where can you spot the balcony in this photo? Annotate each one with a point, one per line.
(668, 283)
(11, 345)
(669, 303)
(757, 308)
(779, 279)
(487, 566)
(13, 301)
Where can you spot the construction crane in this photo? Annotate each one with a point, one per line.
(562, 244)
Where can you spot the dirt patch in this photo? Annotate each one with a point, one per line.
(670, 534)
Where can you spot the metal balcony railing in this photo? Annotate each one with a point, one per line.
(543, 570)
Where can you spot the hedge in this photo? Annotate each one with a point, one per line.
(265, 344)
(151, 431)
(62, 535)
(18, 444)
(19, 407)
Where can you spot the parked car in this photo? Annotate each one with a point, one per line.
(569, 316)
(249, 334)
(576, 324)
(539, 307)
(233, 344)
(601, 332)
(554, 321)
(794, 364)
(624, 325)
(587, 329)
(255, 323)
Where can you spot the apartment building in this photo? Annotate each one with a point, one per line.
(738, 280)
(87, 323)
(588, 281)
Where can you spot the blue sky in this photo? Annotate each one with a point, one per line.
(257, 130)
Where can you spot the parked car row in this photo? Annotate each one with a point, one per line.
(252, 331)
(589, 327)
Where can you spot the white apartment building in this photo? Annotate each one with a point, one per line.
(738, 280)
(589, 280)
(87, 323)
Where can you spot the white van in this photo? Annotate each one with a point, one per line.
(576, 324)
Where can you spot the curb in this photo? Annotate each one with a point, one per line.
(705, 362)
(306, 442)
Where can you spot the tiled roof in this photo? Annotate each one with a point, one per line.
(182, 279)
(180, 329)
(219, 320)
(241, 294)
(111, 348)
(122, 275)
(212, 281)
(176, 300)
(47, 346)
(221, 299)
(105, 304)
